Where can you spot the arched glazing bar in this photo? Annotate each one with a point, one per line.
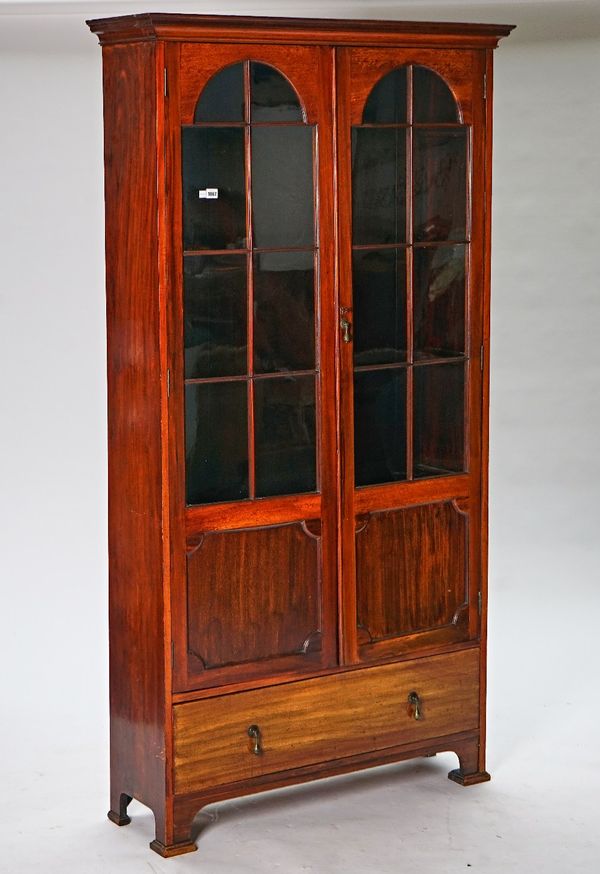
(410, 241)
(250, 256)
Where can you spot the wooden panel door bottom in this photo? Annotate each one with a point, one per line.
(248, 734)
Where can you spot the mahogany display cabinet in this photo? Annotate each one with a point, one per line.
(297, 275)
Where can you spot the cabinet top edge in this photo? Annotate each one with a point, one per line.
(328, 31)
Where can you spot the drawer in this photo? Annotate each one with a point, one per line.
(311, 721)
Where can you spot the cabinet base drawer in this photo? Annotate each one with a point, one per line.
(247, 734)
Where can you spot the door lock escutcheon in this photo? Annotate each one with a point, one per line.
(346, 324)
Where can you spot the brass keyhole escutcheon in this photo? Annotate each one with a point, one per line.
(254, 735)
(345, 324)
(415, 703)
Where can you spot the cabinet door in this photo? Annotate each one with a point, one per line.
(411, 164)
(253, 392)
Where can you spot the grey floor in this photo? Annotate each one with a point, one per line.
(539, 812)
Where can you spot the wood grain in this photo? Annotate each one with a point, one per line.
(411, 571)
(309, 70)
(327, 718)
(254, 595)
(321, 710)
(234, 28)
(136, 605)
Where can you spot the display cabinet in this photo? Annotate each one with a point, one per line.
(297, 268)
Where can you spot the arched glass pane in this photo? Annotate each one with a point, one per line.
(272, 98)
(432, 99)
(409, 233)
(223, 96)
(249, 315)
(387, 103)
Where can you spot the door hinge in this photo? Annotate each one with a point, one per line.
(485, 86)
(481, 357)
(165, 81)
(172, 651)
(168, 383)
(479, 602)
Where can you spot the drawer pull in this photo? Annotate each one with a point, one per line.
(254, 735)
(415, 702)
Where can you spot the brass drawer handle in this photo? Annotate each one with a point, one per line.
(415, 702)
(254, 735)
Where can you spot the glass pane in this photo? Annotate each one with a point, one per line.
(284, 311)
(379, 426)
(439, 419)
(439, 301)
(216, 442)
(223, 96)
(432, 99)
(272, 98)
(284, 413)
(213, 158)
(387, 101)
(440, 184)
(214, 315)
(378, 185)
(282, 186)
(379, 283)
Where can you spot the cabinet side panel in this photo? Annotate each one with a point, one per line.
(137, 671)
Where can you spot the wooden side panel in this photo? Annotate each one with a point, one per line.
(322, 719)
(411, 571)
(253, 595)
(137, 670)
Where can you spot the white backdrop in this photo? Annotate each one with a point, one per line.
(540, 809)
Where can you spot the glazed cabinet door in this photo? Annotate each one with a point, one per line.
(252, 405)
(411, 171)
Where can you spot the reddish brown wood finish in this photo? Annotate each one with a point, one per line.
(310, 31)
(411, 576)
(319, 720)
(464, 744)
(358, 70)
(155, 539)
(140, 725)
(310, 72)
(261, 589)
